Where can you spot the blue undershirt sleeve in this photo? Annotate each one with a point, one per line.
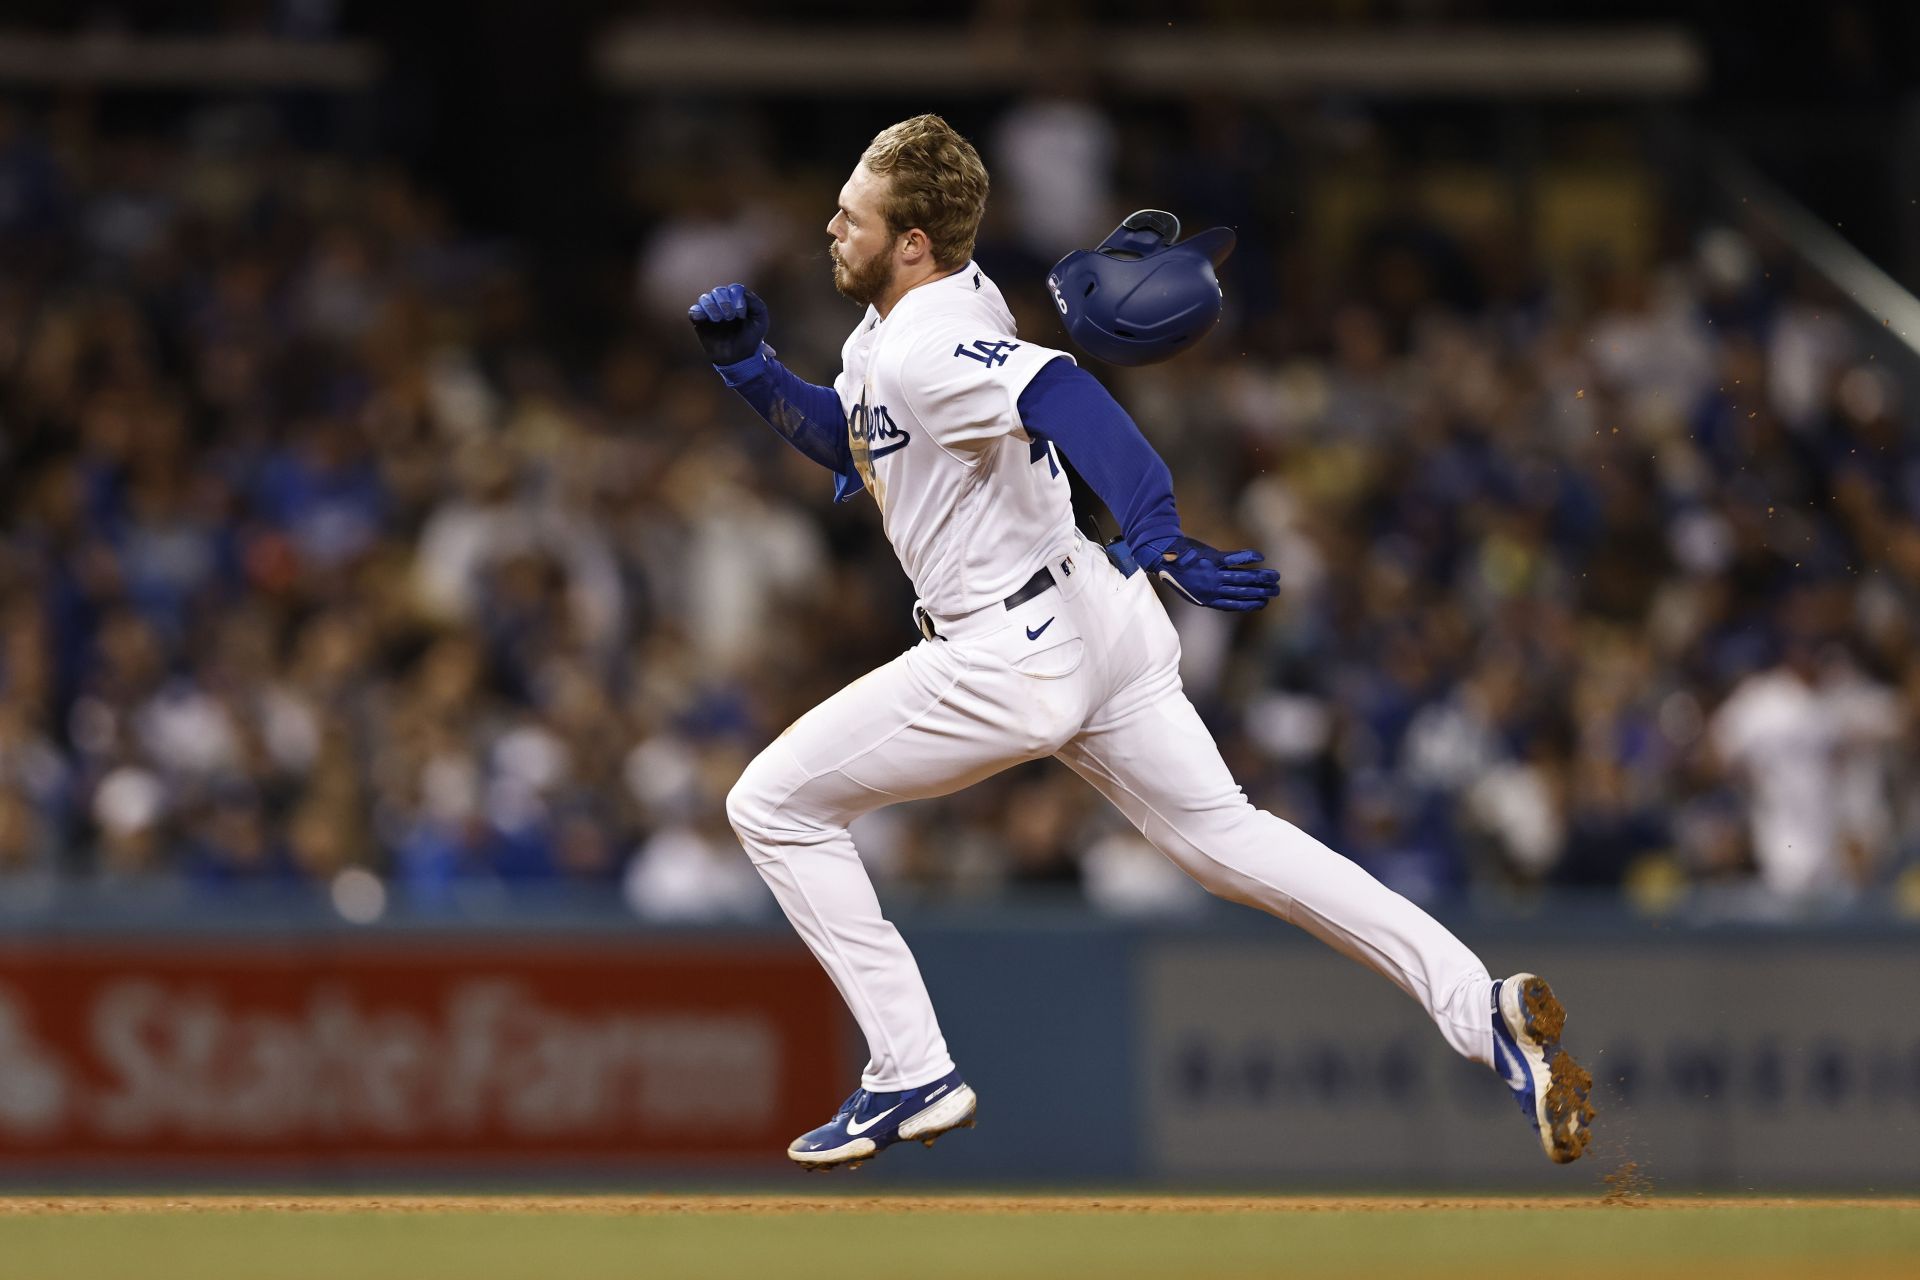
(807, 415)
(1067, 405)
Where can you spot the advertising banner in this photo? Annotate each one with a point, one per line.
(410, 1053)
(1724, 1062)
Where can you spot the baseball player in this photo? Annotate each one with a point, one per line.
(1035, 642)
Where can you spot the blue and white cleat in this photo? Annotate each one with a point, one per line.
(1551, 1088)
(868, 1122)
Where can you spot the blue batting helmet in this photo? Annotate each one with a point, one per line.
(1140, 298)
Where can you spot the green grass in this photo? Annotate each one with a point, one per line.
(1060, 1244)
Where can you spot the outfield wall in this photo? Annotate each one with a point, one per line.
(1227, 1052)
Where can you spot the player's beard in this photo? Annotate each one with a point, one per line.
(865, 284)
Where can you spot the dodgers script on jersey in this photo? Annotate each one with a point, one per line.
(971, 504)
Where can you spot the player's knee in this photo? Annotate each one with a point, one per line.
(749, 809)
(1217, 876)
(1231, 884)
(754, 804)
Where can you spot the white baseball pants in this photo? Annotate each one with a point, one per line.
(1098, 686)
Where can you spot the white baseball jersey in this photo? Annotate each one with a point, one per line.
(970, 502)
(1086, 670)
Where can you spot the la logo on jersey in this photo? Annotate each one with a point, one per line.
(987, 353)
(866, 425)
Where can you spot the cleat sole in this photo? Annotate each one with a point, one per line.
(955, 1111)
(1564, 1109)
(1570, 1111)
(1546, 1017)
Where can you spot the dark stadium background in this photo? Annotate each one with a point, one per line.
(388, 593)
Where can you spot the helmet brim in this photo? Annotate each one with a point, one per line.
(1217, 243)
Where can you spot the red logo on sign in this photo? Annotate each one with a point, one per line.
(318, 1051)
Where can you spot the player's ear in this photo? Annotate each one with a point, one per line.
(915, 245)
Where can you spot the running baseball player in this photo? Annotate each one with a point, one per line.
(1035, 642)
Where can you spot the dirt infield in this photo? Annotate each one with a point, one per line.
(776, 1205)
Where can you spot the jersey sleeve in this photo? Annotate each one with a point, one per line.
(963, 385)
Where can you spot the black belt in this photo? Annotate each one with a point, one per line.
(1041, 581)
(1117, 551)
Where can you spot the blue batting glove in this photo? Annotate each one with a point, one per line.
(731, 323)
(1215, 579)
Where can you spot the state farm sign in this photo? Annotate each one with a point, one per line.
(317, 1049)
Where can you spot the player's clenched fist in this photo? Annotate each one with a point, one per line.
(1217, 579)
(730, 321)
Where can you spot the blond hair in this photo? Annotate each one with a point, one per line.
(936, 183)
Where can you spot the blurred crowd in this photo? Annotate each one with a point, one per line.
(326, 555)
